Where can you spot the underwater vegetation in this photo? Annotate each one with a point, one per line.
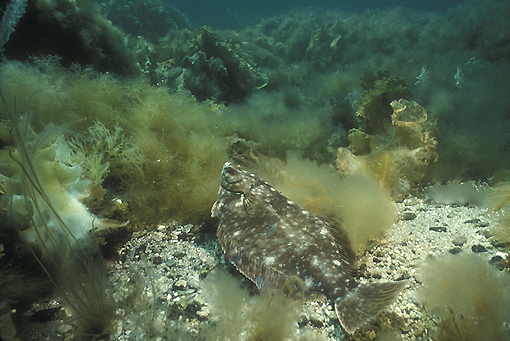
(275, 50)
(501, 196)
(499, 205)
(229, 66)
(326, 44)
(295, 98)
(205, 64)
(269, 316)
(374, 113)
(399, 156)
(488, 39)
(358, 201)
(12, 13)
(42, 194)
(149, 144)
(151, 19)
(76, 31)
(154, 144)
(468, 295)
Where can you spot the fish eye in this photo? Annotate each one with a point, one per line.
(230, 170)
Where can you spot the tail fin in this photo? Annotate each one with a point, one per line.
(364, 302)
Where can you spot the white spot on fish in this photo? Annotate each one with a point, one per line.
(315, 261)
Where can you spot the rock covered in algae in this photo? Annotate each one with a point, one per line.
(400, 160)
(374, 112)
(325, 44)
(159, 17)
(46, 194)
(75, 31)
(209, 64)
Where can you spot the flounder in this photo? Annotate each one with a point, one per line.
(277, 243)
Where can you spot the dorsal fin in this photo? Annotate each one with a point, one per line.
(347, 255)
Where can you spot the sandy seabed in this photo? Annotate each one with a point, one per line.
(180, 299)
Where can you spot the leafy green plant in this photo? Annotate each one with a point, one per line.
(103, 149)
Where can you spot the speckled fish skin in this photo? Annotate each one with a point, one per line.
(277, 243)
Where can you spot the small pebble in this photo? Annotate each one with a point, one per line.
(455, 250)
(180, 285)
(202, 315)
(459, 240)
(408, 215)
(496, 262)
(478, 248)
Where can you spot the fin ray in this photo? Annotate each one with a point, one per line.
(364, 302)
(347, 255)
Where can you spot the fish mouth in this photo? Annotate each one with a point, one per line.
(228, 178)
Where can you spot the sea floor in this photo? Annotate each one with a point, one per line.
(171, 283)
(180, 297)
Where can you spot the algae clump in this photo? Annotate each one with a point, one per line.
(43, 195)
(237, 315)
(150, 146)
(499, 205)
(469, 296)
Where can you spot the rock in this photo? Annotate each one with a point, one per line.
(157, 260)
(496, 262)
(408, 215)
(202, 315)
(397, 163)
(459, 240)
(478, 248)
(455, 250)
(180, 285)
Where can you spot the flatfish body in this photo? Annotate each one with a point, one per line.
(277, 243)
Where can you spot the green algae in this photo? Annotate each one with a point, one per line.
(469, 295)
